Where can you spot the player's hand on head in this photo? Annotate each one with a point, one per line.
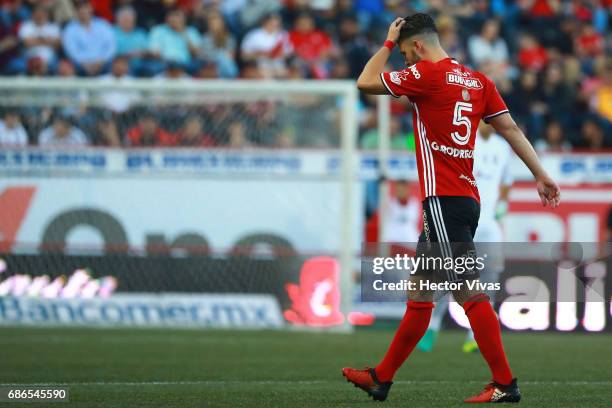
(395, 28)
(549, 191)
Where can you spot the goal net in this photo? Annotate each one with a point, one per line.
(223, 197)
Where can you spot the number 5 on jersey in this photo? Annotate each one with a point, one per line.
(460, 120)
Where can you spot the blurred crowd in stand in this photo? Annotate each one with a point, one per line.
(549, 58)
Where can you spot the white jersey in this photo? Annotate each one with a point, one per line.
(402, 221)
(48, 31)
(75, 137)
(492, 158)
(13, 137)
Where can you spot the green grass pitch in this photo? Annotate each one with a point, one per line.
(184, 368)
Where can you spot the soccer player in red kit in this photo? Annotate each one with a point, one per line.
(448, 100)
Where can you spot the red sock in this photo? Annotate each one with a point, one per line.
(411, 329)
(487, 334)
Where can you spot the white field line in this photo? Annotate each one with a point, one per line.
(113, 339)
(275, 382)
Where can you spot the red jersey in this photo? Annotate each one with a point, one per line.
(309, 46)
(449, 100)
(136, 137)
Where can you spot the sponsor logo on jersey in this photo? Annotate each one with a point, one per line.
(453, 78)
(460, 72)
(415, 71)
(469, 180)
(453, 151)
(398, 76)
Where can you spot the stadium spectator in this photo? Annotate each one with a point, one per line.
(601, 100)
(298, 70)
(531, 54)
(62, 133)
(269, 46)
(312, 45)
(207, 70)
(120, 69)
(174, 70)
(556, 94)
(563, 40)
(341, 9)
(250, 70)
(133, 43)
(147, 132)
(175, 41)
(62, 11)
(89, 41)
(108, 131)
(554, 140)
(103, 9)
(353, 43)
(40, 38)
(600, 16)
(150, 13)
(541, 8)
(13, 13)
(572, 73)
(526, 104)
(488, 46)
(262, 118)
(65, 69)
(118, 101)
(449, 39)
(284, 139)
(12, 132)
(192, 134)
(558, 67)
(251, 12)
(370, 13)
(589, 43)
(219, 46)
(591, 136)
(37, 67)
(236, 136)
(9, 50)
(339, 69)
(542, 17)
(231, 13)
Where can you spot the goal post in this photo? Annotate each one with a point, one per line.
(384, 147)
(289, 146)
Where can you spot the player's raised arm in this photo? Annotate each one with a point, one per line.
(369, 81)
(549, 191)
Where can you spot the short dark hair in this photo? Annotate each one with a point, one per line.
(63, 117)
(81, 3)
(174, 10)
(10, 110)
(417, 24)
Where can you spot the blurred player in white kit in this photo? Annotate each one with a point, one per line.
(402, 220)
(492, 161)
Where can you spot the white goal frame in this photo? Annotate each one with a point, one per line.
(182, 90)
